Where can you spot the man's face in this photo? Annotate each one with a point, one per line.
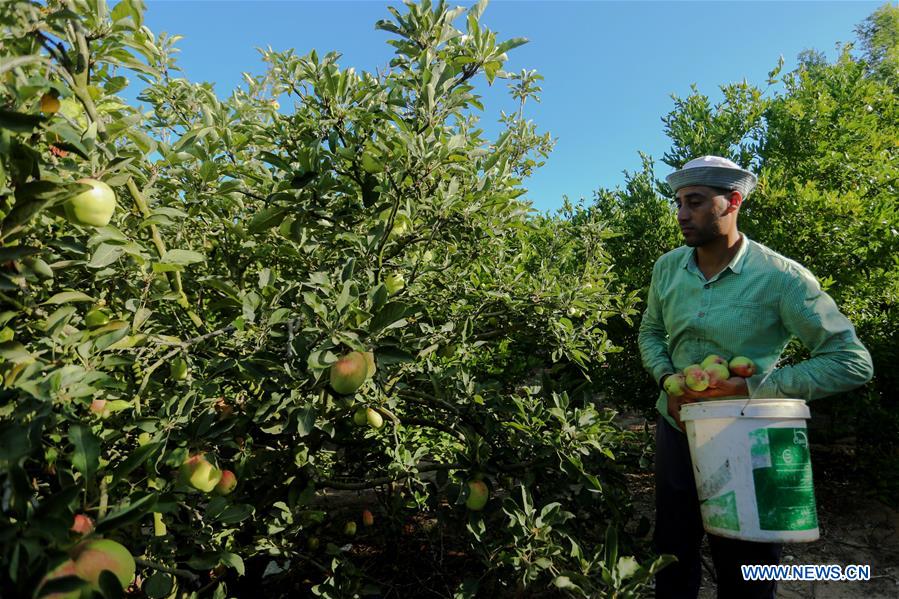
(701, 214)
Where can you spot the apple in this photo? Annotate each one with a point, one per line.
(368, 518)
(93, 207)
(82, 524)
(742, 366)
(717, 373)
(350, 529)
(67, 568)
(477, 495)
(226, 484)
(395, 283)
(360, 417)
(49, 104)
(674, 384)
(696, 378)
(370, 362)
(98, 407)
(712, 359)
(197, 472)
(312, 543)
(375, 420)
(93, 557)
(349, 372)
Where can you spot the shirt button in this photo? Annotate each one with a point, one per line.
(701, 314)
(708, 285)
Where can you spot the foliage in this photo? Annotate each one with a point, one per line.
(248, 252)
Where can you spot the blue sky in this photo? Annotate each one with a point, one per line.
(609, 67)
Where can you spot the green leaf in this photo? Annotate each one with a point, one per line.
(233, 560)
(105, 255)
(275, 161)
(14, 444)
(129, 513)
(267, 218)
(19, 122)
(86, 458)
(14, 352)
(135, 460)
(306, 420)
(67, 297)
(158, 586)
(182, 257)
(390, 316)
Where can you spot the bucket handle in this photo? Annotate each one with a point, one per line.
(765, 378)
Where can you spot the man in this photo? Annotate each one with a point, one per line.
(724, 294)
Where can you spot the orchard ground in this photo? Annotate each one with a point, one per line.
(856, 528)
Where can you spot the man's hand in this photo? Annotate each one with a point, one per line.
(733, 386)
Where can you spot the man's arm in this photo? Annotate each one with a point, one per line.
(839, 361)
(653, 338)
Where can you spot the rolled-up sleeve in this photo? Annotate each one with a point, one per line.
(653, 339)
(838, 363)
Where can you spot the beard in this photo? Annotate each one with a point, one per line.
(701, 237)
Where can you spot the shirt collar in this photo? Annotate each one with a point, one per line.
(736, 263)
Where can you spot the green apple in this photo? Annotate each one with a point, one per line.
(197, 472)
(712, 359)
(742, 366)
(696, 378)
(674, 384)
(349, 372)
(67, 568)
(717, 373)
(375, 420)
(349, 529)
(93, 557)
(360, 417)
(477, 495)
(93, 207)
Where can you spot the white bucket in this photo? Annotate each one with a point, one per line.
(752, 467)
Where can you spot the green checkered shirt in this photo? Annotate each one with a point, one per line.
(751, 308)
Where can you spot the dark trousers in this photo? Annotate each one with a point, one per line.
(679, 531)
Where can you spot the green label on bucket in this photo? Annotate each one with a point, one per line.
(782, 472)
(721, 511)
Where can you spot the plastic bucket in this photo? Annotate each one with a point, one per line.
(753, 469)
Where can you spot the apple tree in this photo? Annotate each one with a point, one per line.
(184, 376)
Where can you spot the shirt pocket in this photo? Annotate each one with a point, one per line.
(748, 315)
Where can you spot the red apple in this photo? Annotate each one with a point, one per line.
(93, 557)
(742, 366)
(226, 484)
(349, 372)
(82, 524)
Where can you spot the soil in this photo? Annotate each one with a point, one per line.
(855, 527)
